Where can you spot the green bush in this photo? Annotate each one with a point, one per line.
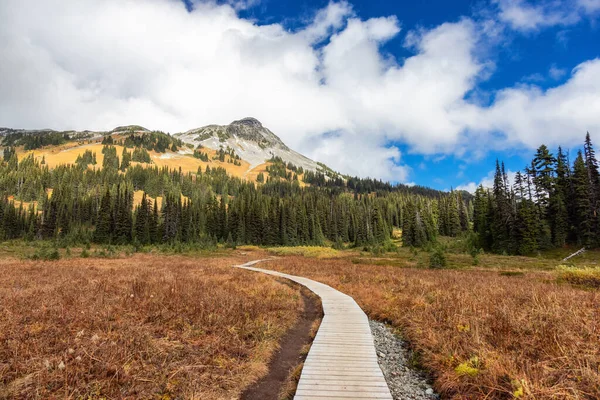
(230, 243)
(107, 251)
(338, 244)
(46, 253)
(437, 259)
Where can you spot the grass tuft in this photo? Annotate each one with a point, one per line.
(579, 276)
(470, 367)
(306, 251)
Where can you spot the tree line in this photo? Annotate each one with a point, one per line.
(551, 203)
(124, 203)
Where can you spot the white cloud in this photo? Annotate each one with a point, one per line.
(556, 73)
(470, 187)
(85, 64)
(487, 182)
(535, 77)
(590, 6)
(347, 156)
(243, 4)
(328, 20)
(529, 116)
(527, 16)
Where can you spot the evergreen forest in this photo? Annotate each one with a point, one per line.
(552, 203)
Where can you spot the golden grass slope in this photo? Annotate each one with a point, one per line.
(183, 159)
(68, 153)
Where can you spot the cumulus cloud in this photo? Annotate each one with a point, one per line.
(527, 115)
(525, 15)
(327, 89)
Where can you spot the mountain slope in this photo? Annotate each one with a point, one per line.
(244, 148)
(249, 139)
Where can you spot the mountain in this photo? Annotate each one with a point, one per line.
(244, 148)
(249, 139)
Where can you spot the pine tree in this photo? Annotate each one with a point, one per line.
(104, 226)
(454, 224)
(543, 163)
(526, 227)
(501, 222)
(153, 225)
(591, 165)
(582, 206)
(125, 159)
(142, 221)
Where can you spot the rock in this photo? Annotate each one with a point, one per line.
(403, 382)
(61, 366)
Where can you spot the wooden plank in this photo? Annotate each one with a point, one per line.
(355, 394)
(343, 382)
(342, 362)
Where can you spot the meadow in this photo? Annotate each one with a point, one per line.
(483, 332)
(170, 323)
(145, 326)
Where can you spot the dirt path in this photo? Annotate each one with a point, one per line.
(289, 354)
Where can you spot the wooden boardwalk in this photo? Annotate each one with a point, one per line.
(342, 362)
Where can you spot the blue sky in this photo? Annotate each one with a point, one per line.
(425, 92)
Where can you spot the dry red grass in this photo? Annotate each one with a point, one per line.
(482, 335)
(141, 327)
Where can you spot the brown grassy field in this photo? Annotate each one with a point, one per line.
(148, 326)
(483, 334)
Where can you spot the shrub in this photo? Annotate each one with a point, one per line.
(107, 251)
(437, 259)
(338, 244)
(377, 251)
(53, 255)
(389, 246)
(230, 243)
(45, 253)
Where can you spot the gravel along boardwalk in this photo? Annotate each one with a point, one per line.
(342, 362)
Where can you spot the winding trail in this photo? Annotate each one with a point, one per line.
(342, 362)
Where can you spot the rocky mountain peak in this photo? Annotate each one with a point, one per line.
(248, 121)
(251, 129)
(252, 141)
